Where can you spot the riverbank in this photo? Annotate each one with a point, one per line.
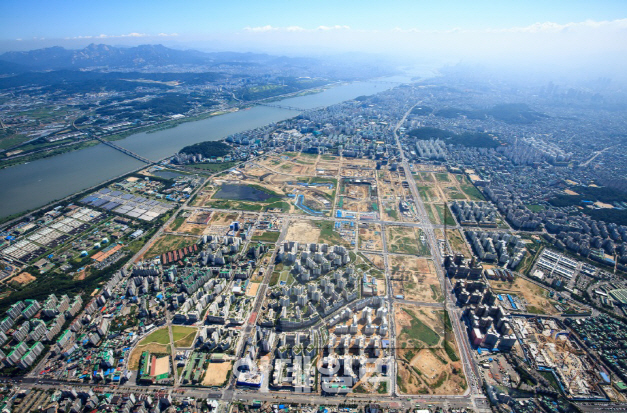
(168, 124)
(29, 186)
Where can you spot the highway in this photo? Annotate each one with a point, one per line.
(470, 370)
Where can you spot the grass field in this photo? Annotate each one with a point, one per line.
(183, 336)
(535, 208)
(473, 192)
(160, 336)
(449, 215)
(169, 243)
(328, 234)
(8, 141)
(420, 331)
(266, 236)
(214, 167)
(442, 177)
(178, 221)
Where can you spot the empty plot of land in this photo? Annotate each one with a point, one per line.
(167, 243)
(160, 336)
(536, 297)
(418, 327)
(376, 260)
(136, 353)
(370, 237)
(303, 231)
(23, 278)
(428, 360)
(406, 240)
(224, 218)
(415, 279)
(217, 374)
(430, 371)
(457, 243)
(187, 338)
(252, 289)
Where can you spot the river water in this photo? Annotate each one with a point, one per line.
(37, 183)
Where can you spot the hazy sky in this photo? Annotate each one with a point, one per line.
(534, 32)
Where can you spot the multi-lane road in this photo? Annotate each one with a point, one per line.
(470, 369)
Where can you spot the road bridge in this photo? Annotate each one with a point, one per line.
(274, 105)
(126, 151)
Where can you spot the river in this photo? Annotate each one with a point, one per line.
(32, 185)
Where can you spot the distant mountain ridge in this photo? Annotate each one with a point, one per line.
(99, 55)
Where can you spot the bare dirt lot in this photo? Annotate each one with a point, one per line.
(136, 353)
(303, 231)
(457, 242)
(162, 366)
(356, 198)
(252, 289)
(216, 374)
(376, 260)
(405, 240)
(415, 279)
(535, 296)
(23, 278)
(224, 218)
(167, 243)
(194, 223)
(370, 237)
(428, 359)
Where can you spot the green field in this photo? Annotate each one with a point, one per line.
(449, 216)
(214, 167)
(9, 141)
(456, 195)
(535, 208)
(442, 177)
(178, 221)
(328, 234)
(160, 336)
(424, 192)
(473, 192)
(420, 331)
(180, 332)
(169, 243)
(267, 236)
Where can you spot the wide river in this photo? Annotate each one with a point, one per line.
(37, 183)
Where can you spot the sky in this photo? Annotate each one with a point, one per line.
(529, 32)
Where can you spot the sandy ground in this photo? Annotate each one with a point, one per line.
(434, 372)
(136, 353)
(402, 240)
(426, 371)
(162, 365)
(252, 289)
(533, 294)
(223, 218)
(370, 237)
(302, 231)
(457, 242)
(376, 260)
(434, 319)
(216, 374)
(415, 286)
(381, 286)
(24, 278)
(167, 243)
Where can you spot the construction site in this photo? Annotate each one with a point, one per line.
(549, 348)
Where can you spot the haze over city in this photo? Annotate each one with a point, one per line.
(556, 36)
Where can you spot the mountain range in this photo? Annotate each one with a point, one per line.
(111, 57)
